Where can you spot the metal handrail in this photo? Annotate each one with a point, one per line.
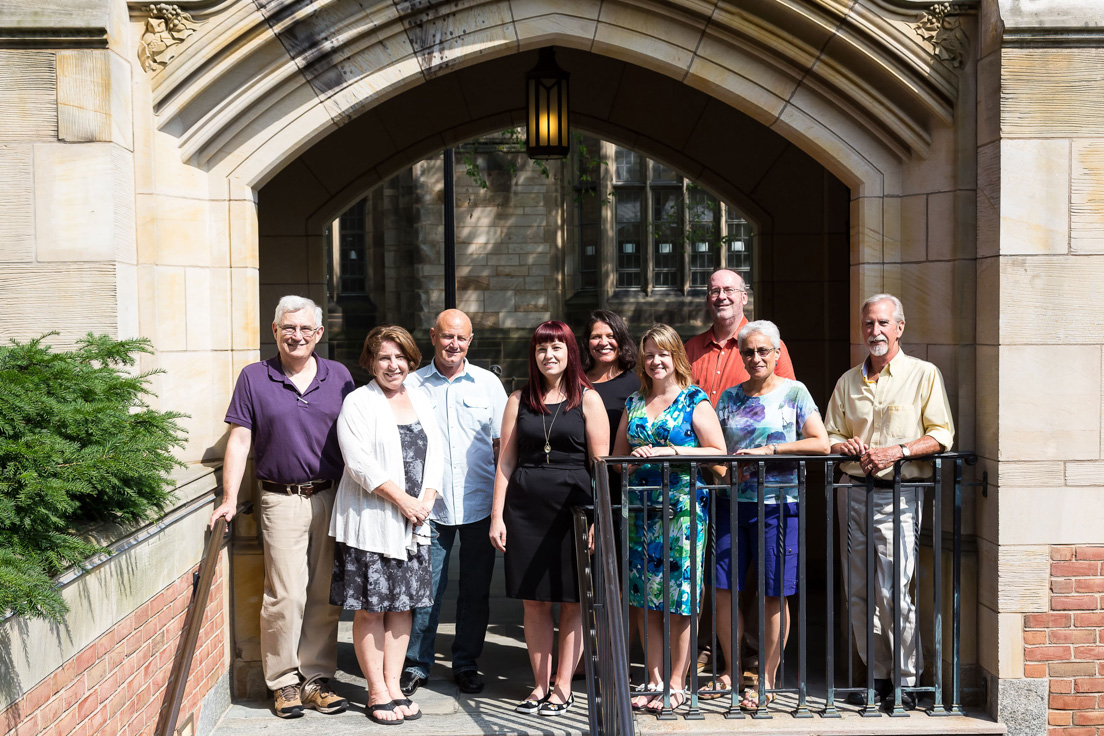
(605, 656)
(603, 592)
(193, 622)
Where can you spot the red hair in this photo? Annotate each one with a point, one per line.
(574, 379)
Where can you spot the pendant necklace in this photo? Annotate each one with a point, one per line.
(548, 433)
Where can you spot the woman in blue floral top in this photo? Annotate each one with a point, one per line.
(668, 416)
(765, 415)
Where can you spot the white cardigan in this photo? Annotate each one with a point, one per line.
(369, 439)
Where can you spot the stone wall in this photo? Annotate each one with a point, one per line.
(1064, 646)
(117, 684)
(1039, 430)
(103, 669)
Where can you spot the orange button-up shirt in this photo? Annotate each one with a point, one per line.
(716, 367)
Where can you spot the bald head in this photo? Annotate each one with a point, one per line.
(451, 335)
(453, 319)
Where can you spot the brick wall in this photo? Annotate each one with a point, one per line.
(1066, 646)
(116, 685)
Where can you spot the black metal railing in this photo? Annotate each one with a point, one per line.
(605, 583)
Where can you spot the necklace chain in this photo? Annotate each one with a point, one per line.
(548, 433)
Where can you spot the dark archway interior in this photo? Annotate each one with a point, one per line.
(801, 210)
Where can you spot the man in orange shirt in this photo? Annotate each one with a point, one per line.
(714, 354)
(715, 365)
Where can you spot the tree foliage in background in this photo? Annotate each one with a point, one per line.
(78, 445)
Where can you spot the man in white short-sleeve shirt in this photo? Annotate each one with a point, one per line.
(468, 402)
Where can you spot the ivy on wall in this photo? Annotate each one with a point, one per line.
(78, 445)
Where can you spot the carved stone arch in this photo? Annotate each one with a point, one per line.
(851, 84)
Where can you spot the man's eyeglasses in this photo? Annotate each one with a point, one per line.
(290, 330)
(761, 352)
(729, 291)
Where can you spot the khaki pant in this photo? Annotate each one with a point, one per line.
(298, 624)
(853, 553)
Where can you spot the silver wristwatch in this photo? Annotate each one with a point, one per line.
(905, 451)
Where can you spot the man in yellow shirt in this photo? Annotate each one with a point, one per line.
(889, 407)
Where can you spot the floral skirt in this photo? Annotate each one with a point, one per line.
(646, 553)
(368, 582)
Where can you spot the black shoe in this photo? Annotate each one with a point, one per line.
(858, 699)
(549, 708)
(409, 682)
(908, 701)
(530, 706)
(470, 681)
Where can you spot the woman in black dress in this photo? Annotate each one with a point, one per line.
(549, 429)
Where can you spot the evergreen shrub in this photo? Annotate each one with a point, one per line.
(78, 445)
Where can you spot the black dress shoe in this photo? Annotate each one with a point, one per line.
(409, 682)
(908, 701)
(858, 699)
(470, 681)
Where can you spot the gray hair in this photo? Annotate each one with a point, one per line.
(292, 303)
(898, 308)
(764, 327)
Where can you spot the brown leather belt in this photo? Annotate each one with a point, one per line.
(297, 489)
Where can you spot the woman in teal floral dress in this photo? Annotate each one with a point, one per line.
(668, 416)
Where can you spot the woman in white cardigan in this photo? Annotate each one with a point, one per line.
(393, 464)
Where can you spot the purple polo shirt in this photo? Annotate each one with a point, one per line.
(294, 435)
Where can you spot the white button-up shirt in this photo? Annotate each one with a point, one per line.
(469, 412)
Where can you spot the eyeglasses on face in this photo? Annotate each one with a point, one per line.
(761, 352)
(729, 291)
(290, 330)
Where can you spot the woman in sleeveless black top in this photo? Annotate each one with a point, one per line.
(548, 430)
(609, 356)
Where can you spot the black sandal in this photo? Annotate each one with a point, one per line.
(388, 706)
(406, 703)
(556, 709)
(529, 706)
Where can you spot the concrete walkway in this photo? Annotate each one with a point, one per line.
(447, 710)
(505, 665)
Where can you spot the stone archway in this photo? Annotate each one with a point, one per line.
(853, 87)
(267, 98)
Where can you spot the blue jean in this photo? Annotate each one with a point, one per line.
(473, 610)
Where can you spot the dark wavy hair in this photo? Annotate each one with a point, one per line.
(574, 379)
(626, 348)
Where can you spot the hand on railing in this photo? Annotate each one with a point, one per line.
(226, 510)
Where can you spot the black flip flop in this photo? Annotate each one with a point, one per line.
(406, 703)
(390, 706)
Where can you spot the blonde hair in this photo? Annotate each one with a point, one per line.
(665, 338)
(395, 334)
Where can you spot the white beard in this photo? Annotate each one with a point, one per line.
(879, 348)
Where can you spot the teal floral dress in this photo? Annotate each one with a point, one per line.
(672, 427)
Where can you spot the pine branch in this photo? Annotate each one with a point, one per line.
(78, 443)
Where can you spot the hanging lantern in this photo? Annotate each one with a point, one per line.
(547, 109)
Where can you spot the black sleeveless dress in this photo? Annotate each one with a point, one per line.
(540, 536)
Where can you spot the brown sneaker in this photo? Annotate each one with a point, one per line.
(318, 695)
(288, 704)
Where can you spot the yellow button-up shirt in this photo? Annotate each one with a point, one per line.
(907, 402)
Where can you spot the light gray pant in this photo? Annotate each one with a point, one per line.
(298, 624)
(851, 505)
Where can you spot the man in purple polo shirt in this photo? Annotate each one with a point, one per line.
(287, 408)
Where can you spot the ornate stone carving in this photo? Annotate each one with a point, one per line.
(942, 28)
(166, 28)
